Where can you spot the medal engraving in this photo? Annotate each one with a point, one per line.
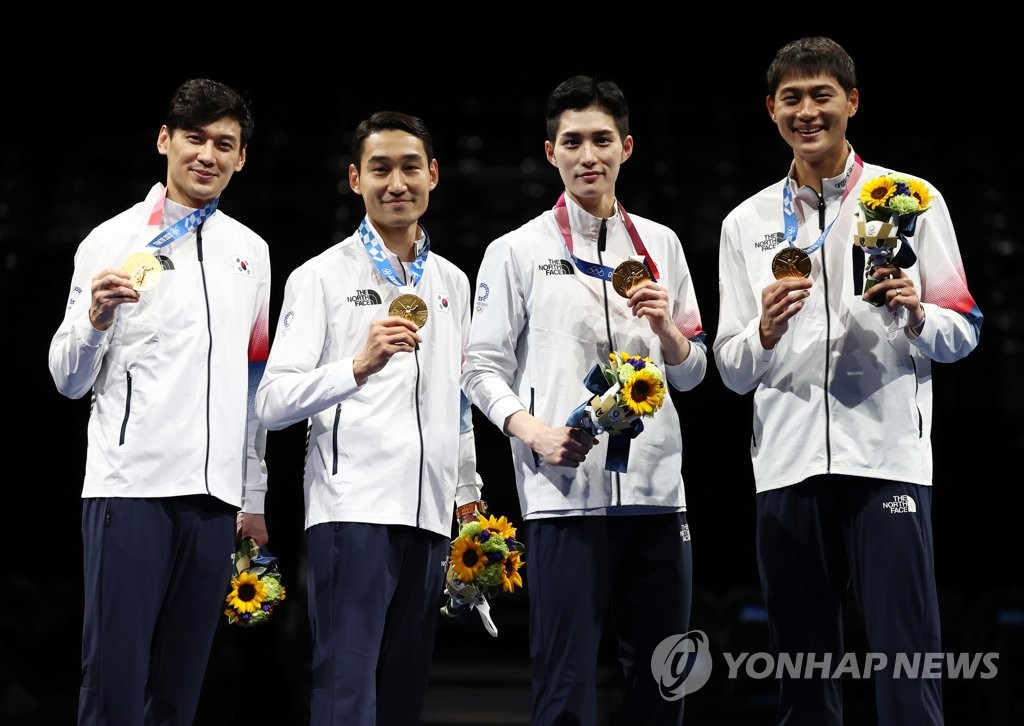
(410, 307)
(628, 275)
(791, 262)
(144, 269)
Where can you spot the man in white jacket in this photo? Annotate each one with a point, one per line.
(166, 329)
(369, 349)
(602, 535)
(841, 444)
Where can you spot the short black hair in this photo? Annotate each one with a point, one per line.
(390, 121)
(580, 92)
(200, 101)
(812, 56)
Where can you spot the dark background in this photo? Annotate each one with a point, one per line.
(79, 147)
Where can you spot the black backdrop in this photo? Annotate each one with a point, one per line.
(79, 146)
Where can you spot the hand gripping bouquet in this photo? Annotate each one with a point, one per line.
(886, 218)
(627, 390)
(483, 562)
(256, 588)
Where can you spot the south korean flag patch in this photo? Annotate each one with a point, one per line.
(242, 266)
(443, 303)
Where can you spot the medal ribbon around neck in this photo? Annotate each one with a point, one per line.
(180, 228)
(144, 268)
(602, 272)
(379, 257)
(789, 216)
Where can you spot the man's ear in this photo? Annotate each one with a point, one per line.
(163, 140)
(549, 152)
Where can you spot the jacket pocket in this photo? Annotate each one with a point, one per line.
(334, 440)
(127, 405)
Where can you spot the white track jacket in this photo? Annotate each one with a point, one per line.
(539, 326)
(836, 395)
(171, 378)
(394, 450)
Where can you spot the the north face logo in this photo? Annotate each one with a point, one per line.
(770, 241)
(365, 297)
(901, 503)
(557, 267)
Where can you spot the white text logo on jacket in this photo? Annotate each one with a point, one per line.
(365, 297)
(557, 267)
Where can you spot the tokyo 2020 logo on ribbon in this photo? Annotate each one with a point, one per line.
(681, 664)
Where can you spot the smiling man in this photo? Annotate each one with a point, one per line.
(550, 306)
(841, 443)
(368, 352)
(165, 324)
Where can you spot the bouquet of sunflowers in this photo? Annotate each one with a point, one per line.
(256, 588)
(886, 218)
(484, 561)
(630, 388)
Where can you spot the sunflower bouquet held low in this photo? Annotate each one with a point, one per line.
(255, 589)
(483, 562)
(630, 388)
(886, 218)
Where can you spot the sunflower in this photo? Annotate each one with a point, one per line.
(920, 190)
(876, 192)
(501, 526)
(618, 359)
(468, 559)
(247, 593)
(510, 576)
(644, 393)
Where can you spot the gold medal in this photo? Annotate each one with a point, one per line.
(144, 269)
(628, 275)
(410, 307)
(791, 262)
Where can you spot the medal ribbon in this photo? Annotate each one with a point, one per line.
(602, 272)
(379, 257)
(792, 224)
(180, 228)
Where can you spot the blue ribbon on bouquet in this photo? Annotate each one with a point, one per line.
(264, 558)
(905, 257)
(619, 438)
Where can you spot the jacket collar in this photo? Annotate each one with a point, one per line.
(586, 224)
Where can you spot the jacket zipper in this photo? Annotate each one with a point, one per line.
(419, 429)
(419, 421)
(209, 353)
(127, 406)
(828, 337)
(536, 457)
(917, 388)
(337, 421)
(602, 237)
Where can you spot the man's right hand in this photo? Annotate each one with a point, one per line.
(560, 446)
(386, 337)
(110, 288)
(780, 301)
